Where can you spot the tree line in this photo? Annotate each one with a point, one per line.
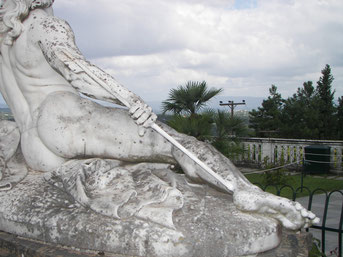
(310, 113)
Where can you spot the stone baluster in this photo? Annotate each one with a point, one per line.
(279, 154)
(292, 153)
(251, 151)
(332, 157)
(339, 158)
(287, 153)
(266, 151)
(275, 154)
(257, 149)
(298, 154)
(257, 153)
(245, 150)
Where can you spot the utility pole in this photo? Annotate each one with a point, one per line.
(232, 105)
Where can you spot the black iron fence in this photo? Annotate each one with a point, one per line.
(323, 227)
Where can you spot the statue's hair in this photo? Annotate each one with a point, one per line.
(11, 19)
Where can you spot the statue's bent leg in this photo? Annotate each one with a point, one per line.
(247, 197)
(72, 127)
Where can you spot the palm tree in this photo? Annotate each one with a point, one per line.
(186, 102)
(199, 125)
(189, 98)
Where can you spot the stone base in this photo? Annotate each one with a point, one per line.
(12, 245)
(293, 245)
(208, 224)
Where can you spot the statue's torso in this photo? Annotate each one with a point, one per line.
(25, 68)
(26, 79)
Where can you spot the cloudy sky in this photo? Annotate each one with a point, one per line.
(242, 46)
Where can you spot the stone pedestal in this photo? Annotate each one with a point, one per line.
(208, 224)
(292, 245)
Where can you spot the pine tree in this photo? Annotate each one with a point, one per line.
(300, 114)
(326, 106)
(310, 113)
(266, 120)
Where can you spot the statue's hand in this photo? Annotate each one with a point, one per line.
(143, 116)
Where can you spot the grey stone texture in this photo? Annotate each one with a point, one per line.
(208, 224)
(292, 245)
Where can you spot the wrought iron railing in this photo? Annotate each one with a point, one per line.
(323, 227)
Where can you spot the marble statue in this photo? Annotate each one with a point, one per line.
(109, 160)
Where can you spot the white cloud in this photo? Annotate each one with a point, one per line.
(152, 46)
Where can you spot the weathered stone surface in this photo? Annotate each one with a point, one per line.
(12, 245)
(12, 166)
(9, 139)
(120, 190)
(292, 245)
(207, 225)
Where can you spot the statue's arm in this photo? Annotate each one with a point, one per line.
(55, 38)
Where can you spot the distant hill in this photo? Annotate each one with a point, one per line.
(251, 103)
(6, 114)
(5, 109)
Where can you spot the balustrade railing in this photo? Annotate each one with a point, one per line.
(278, 151)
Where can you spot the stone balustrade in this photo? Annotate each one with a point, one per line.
(279, 151)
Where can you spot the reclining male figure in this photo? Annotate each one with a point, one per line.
(41, 85)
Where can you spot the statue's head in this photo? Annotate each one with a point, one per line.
(13, 12)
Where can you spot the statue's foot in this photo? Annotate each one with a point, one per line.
(292, 215)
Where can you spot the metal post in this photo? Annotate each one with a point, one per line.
(232, 105)
(302, 176)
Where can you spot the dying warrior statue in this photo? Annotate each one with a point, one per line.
(43, 73)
